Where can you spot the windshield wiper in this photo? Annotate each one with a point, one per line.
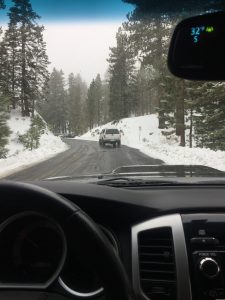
(131, 182)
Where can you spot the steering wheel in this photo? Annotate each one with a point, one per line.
(79, 229)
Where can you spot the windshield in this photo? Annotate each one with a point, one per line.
(70, 69)
(112, 131)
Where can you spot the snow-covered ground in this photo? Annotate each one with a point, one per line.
(19, 158)
(143, 133)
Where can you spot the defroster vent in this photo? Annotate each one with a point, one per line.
(157, 264)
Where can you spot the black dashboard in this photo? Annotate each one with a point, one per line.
(171, 240)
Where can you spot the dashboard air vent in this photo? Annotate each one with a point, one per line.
(157, 264)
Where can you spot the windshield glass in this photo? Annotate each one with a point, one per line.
(112, 131)
(70, 69)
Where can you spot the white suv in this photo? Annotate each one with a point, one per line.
(110, 136)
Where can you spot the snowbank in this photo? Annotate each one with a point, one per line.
(19, 158)
(142, 133)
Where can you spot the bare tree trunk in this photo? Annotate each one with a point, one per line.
(24, 82)
(180, 126)
(13, 82)
(98, 112)
(32, 109)
(191, 129)
(159, 25)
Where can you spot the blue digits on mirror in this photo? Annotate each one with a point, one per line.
(195, 32)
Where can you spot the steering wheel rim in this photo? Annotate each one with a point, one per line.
(78, 227)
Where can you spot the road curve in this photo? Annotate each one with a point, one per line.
(85, 158)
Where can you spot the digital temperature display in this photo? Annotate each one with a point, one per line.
(197, 31)
(197, 49)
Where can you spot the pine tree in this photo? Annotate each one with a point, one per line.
(105, 102)
(142, 92)
(4, 130)
(146, 8)
(54, 108)
(63, 109)
(31, 58)
(209, 116)
(97, 102)
(76, 95)
(4, 100)
(98, 99)
(10, 73)
(3, 66)
(149, 40)
(121, 71)
(71, 95)
(31, 139)
(2, 4)
(91, 104)
(167, 108)
(78, 99)
(38, 64)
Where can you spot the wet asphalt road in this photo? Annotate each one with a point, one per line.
(85, 158)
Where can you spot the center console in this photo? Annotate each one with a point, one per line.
(205, 242)
(180, 257)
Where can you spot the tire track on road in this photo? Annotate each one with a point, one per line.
(84, 158)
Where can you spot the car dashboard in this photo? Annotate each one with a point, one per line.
(171, 241)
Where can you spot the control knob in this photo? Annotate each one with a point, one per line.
(209, 267)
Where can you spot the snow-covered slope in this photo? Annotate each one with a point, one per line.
(143, 133)
(20, 158)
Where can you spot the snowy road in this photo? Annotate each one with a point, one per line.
(85, 158)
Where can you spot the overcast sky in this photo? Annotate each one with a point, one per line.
(81, 47)
(79, 32)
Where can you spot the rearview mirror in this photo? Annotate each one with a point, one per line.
(197, 49)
